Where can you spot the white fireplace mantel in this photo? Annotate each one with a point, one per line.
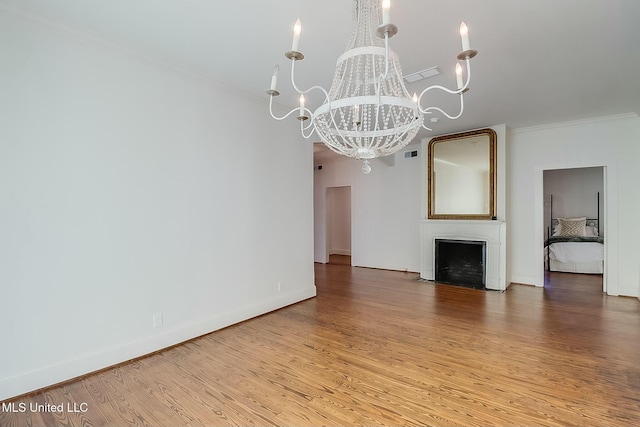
(491, 232)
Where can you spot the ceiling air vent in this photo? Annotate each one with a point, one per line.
(421, 75)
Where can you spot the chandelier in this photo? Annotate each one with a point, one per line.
(367, 112)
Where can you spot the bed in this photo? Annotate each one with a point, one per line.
(575, 245)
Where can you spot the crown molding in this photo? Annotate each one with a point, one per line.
(601, 119)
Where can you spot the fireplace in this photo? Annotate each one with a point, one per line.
(493, 233)
(461, 262)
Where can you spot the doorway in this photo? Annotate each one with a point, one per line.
(575, 193)
(338, 218)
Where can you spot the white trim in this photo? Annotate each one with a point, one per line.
(491, 232)
(340, 252)
(610, 213)
(624, 116)
(525, 280)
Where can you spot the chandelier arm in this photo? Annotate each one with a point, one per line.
(303, 128)
(300, 91)
(453, 92)
(379, 85)
(307, 111)
(279, 118)
(442, 88)
(408, 95)
(464, 88)
(386, 55)
(380, 80)
(399, 73)
(466, 84)
(385, 75)
(447, 115)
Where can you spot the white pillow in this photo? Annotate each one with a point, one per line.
(590, 231)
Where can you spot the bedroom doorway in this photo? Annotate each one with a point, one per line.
(338, 218)
(574, 224)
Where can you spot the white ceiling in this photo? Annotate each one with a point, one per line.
(539, 62)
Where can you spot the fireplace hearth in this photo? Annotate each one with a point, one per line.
(461, 262)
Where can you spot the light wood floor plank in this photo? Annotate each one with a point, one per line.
(380, 347)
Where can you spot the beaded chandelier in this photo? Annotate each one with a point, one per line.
(368, 112)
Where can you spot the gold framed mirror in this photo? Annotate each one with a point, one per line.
(461, 176)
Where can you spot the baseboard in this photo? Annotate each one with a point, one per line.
(404, 269)
(526, 280)
(87, 363)
(340, 252)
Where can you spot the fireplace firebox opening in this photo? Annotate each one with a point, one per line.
(461, 262)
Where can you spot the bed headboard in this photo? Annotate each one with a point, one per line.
(591, 222)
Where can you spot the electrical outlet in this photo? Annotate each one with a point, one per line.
(157, 320)
(280, 286)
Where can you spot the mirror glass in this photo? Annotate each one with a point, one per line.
(462, 176)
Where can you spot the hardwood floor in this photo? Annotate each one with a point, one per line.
(383, 348)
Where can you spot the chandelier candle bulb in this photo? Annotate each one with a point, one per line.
(464, 33)
(297, 29)
(459, 75)
(386, 13)
(301, 105)
(274, 78)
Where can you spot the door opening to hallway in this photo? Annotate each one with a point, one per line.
(339, 225)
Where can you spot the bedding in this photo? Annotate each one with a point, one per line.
(577, 267)
(574, 239)
(575, 245)
(575, 254)
(572, 252)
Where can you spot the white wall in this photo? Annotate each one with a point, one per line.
(129, 189)
(388, 205)
(611, 142)
(385, 210)
(385, 203)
